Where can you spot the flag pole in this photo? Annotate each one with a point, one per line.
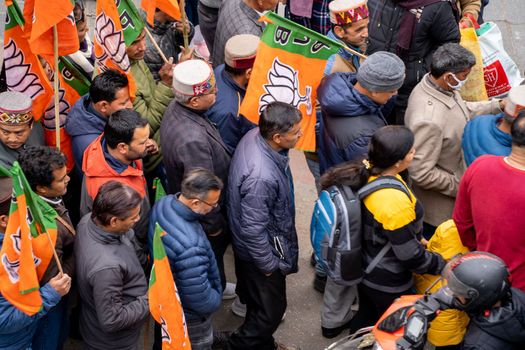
(184, 20)
(57, 260)
(57, 99)
(354, 52)
(152, 39)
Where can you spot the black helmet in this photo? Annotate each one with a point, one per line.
(480, 278)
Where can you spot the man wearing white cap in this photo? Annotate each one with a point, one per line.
(349, 20)
(232, 80)
(490, 134)
(489, 205)
(189, 140)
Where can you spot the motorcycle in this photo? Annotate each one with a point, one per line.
(403, 326)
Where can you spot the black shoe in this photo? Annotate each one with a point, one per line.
(220, 340)
(319, 283)
(334, 332)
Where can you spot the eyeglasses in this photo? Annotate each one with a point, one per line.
(208, 204)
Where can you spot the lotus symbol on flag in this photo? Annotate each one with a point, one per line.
(18, 73)
(111, 41)
(284, 87)
(49, 115)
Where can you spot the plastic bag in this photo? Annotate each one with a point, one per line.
(474, 89)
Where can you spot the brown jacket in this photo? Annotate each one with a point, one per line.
(438, 120)
(63, 245)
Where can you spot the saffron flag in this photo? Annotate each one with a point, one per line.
(171, 7)
(164, 302)
(41, 16)
(25, 253)
(288, 67)
(24, 72)
(72, 85)
(116, 28)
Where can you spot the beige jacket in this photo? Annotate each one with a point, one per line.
(469, 6)
(438, 120)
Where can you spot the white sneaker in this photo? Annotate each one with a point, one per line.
(238, 308)
(229, 291)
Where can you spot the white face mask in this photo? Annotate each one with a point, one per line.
(459, 83)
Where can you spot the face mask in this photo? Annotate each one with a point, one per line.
(459, 84)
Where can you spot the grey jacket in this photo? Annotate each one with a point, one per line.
(8, 155)
(112, 287)
(235, 17)
(261, 208)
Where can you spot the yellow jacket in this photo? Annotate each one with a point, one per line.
(450, 326)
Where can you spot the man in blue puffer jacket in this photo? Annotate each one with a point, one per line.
(354, 106)
(190, 254)
(17, 328)
(490, 134)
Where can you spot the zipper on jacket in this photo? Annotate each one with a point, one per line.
(278, 247)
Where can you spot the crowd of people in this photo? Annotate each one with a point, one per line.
(396, 113)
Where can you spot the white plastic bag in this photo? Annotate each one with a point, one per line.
(500, 71)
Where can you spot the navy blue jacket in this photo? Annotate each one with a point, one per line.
(225, 112)
(261, 208)
(482, 136)
(16, 328)
(190, 255)
(349, 120)
(84, 126)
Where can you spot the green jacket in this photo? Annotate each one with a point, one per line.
(151, 101)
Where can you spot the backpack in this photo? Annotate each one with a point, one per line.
(336, 230)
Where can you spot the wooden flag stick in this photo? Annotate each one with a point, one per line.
(57, 98)
(354, 52)
(59, 265)
(152, 39)
(184, 28)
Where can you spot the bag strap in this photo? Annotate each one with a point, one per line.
(380, 183)
(369, 188)
(66, 225)
(378, 258)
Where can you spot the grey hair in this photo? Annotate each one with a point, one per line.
(452, 58)
(181, 98)
(198, 182)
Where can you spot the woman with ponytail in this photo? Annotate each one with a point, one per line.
(388, 215)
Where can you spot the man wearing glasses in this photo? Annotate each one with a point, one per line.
(193, 264)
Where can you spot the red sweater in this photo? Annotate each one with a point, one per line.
(490, 215)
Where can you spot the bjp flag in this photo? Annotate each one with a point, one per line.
(41, 16)
(171, 7)
(116, 28)
(25, 253)
(71, 86)
(164, 302)
(288, 67)
(24, 72)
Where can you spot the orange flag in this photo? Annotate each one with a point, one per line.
(171, 7)
(112, 36)
(72, 85)
(288, 67)
(41, 16)
(24, 72)
(164, 302)
(25, 253)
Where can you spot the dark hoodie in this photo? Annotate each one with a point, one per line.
(349, 120)
(502, 329)
(84, 125)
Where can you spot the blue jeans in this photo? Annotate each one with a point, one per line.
(53, 328)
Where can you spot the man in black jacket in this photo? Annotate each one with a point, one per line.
(189, 140)
(413, 30)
